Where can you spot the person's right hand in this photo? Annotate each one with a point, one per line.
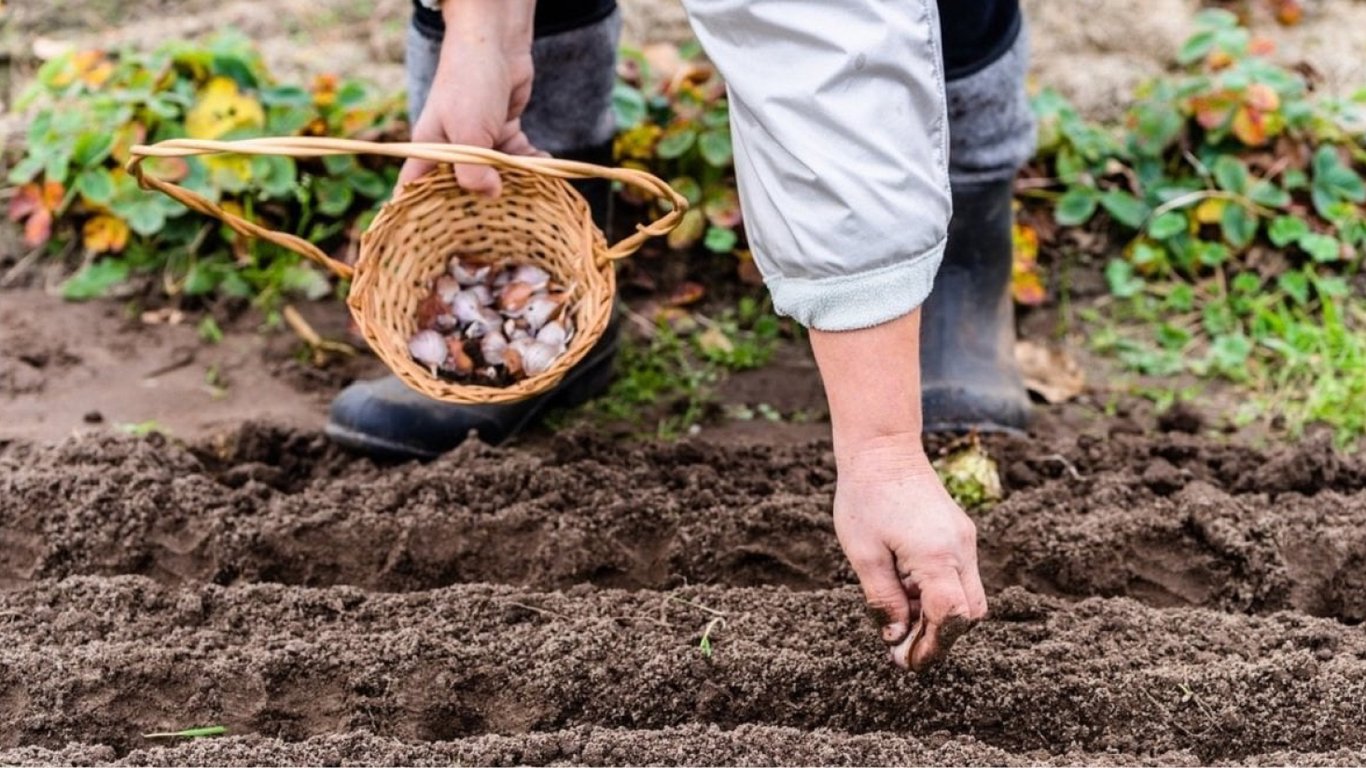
(913, 548)
(481, 87)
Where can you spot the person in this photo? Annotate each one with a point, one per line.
(875, 146)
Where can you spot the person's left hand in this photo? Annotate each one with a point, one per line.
(482, 86)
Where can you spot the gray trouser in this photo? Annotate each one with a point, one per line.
(991, 128)
(841, 246)
(571, 95)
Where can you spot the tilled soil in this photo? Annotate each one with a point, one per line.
(1155, 598)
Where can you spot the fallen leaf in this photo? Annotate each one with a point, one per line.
(105, 234)
(714, 340)
(163, 316)
(1262, 97)
(746, 269)
(1026, 285)
(1210, 210)
(687, 292)
(1049, 372)
(1250, 126)
(1289, 12)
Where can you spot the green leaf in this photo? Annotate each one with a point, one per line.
(96, 280)
(717, 116)
(340, 165)
(1229, 352)
(143, 212)
(1230, 174)
(26, 170)
(92, 148)
(334, 196)
(276, 176)
(1321, 248)
(720, 240)
(1124, 207)
(1167, 225)
(675, 142)
(715, 147)
(1076, 206)
(201, 280)
(369, 184)
(1295, 285)
(1196, 47)
(1268, 194)
(628, 105)
(688, 187)
(209, 330)
(303, 279)
(1285, 230)
(96, 185)
(1238, 225)
(1119, 274)
(58, 166)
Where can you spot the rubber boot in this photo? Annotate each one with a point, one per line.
(968, 375)
(386, 418)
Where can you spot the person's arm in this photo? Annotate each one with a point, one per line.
(913, 548)
(840, 131)
(482, 85)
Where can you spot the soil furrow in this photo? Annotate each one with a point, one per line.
(586, 745)
(101, 660)
(1180, 522)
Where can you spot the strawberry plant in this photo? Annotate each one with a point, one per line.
(1239, 200)
(673, 120)
(88, 108)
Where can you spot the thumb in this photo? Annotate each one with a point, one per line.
(944, 616)
(888, 603)
(412, 170)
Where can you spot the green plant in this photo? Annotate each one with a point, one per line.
(1239, 197)
(673, 120)
(88, 108)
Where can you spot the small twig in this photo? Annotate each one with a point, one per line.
(535, 609)
(20, 267)
(698, 606)
(185, 357)
(1067, 465)
(315, 342)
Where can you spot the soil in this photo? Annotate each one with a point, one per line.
(1156, 598)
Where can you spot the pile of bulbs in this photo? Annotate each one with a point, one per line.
(491, 324)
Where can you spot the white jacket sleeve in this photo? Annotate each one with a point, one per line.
(841, 149)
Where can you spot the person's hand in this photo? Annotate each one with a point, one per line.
(913, 548)
(481, 87)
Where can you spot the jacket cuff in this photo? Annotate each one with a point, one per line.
(862, 300)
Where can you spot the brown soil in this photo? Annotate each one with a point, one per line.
(1151, 596)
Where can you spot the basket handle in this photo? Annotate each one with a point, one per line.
(454, 154)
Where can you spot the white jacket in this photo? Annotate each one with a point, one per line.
(841, 149)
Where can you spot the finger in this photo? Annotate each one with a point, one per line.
(944, 613)
(480, 179)
(975, 593)
(514, 140)
(412, 170)
(887, 601)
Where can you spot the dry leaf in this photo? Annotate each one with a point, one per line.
(685, 293)
(1049, 372)
(105, 234)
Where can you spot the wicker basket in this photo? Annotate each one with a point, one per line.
(537, 219)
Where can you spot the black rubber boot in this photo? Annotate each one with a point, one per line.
(386, 418)
(968, 376)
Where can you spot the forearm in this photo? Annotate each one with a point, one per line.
(872, 383)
